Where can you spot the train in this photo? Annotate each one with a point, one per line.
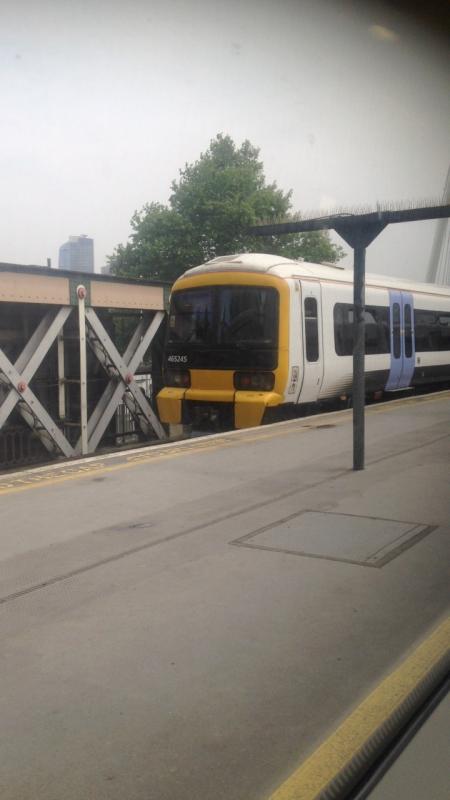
(253, 337)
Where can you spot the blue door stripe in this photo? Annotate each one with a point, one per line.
(403, 352)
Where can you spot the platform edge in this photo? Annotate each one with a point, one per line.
(340, 762)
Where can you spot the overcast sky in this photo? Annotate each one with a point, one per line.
(104, 101)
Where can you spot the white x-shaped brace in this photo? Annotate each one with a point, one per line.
(122, 382)
(15, 379)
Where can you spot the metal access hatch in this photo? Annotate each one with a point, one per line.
(366, 541)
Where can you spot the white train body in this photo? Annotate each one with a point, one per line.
(407, 337)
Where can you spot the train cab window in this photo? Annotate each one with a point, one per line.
(311, 329)
(408, 331)
(247, 315)
(191, 316)
(396, 330)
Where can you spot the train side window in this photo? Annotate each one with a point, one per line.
(396, 330)
(311, 329)
(408, 331)
(377, 329)
(423, 325)
(444, 328)
(432, 330)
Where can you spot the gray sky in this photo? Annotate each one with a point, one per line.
(103, 102)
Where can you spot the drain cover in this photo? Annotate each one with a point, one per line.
(368, 541)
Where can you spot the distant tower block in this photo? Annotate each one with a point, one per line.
(77, 254)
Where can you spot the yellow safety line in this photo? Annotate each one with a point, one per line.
(33, 480)
(331, 757)
(26, 482)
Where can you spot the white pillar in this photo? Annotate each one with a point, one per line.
(61, 379)
(81, 294)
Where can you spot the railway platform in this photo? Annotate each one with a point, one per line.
(225, 618)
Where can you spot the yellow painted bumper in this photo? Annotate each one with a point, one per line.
(169, 405)
(210, 395)
(250, 406)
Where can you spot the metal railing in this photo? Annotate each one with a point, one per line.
(126, 429)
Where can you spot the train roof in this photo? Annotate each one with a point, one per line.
(289, 268)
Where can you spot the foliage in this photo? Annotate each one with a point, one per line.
(212, 206)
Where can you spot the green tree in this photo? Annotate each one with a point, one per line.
(212, 206)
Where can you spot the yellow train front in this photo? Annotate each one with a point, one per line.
(226, 354)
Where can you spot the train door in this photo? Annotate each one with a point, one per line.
(311, 316)
(402, 340)
(409, 350)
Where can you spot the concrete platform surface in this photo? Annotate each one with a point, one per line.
(190, 621)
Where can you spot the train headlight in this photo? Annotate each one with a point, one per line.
(180, 378)
(254, 381)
